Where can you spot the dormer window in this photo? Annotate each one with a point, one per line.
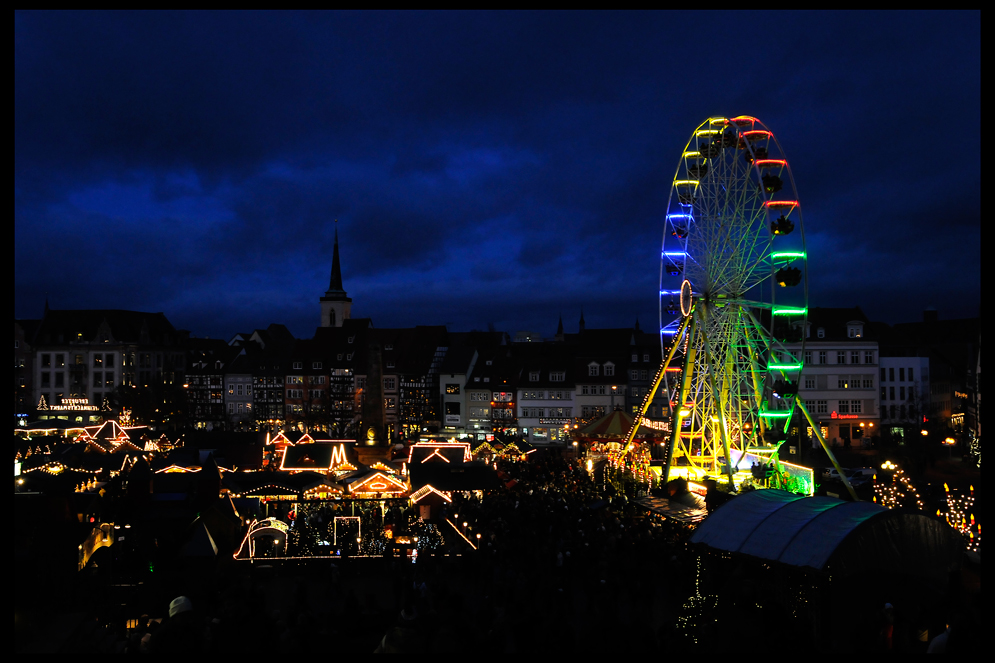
(855, 330)
(534, 376)
(821, 332)
(609, 369)
(594, 369)
(352, 338)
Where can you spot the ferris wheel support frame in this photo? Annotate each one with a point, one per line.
(800, 404)
(660, 376)
(723, 428)
(677, 420)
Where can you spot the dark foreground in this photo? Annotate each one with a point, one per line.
(564, 566)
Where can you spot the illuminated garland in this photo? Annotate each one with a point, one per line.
(959, 517)
(899, 493)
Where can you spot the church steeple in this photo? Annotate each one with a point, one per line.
(335, 283)
(335, 305)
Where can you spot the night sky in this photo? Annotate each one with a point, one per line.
(485, 168)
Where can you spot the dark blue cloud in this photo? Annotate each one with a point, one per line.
(484, 167)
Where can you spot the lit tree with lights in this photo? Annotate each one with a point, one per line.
(899, 493)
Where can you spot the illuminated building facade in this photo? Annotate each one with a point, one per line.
(905, 394)
(24, 397)
(238, 393)
(545, 397)
(839, 382)
(952, 347)
(89, 354)
(207, 365)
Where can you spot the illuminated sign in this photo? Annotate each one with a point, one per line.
(655, 425)
(834, 415)
(74, 404)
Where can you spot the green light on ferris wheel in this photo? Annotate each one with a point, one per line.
(784, 367)
(789, 311)
(787, 255)
(775, 414)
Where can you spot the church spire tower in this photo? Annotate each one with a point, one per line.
(335, 305)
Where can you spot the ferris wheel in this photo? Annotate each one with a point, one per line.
(733, 295)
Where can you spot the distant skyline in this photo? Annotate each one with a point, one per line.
(485, 168)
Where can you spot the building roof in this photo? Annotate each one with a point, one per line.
(96, 325)
(834, 322)
(475, 475)
(822, 533)
(317, 457)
